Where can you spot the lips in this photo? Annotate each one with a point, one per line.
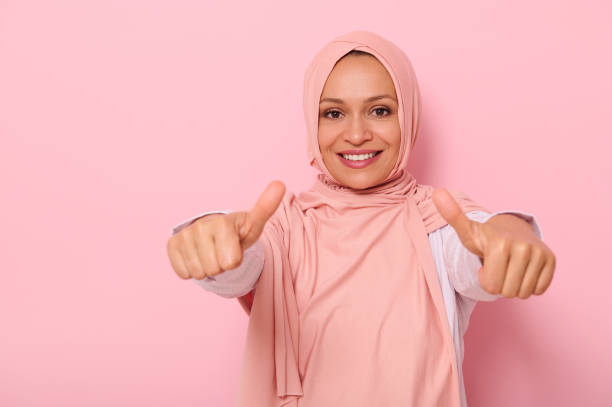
(360, 163)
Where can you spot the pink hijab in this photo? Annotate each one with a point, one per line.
(323, 240)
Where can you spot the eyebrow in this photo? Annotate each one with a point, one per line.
(370, 99)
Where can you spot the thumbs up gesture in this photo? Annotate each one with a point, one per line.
(515, 261)
(215, 243)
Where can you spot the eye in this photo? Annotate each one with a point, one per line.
(378, 109)
(332, 112)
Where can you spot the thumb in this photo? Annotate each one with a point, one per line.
(264, 208)
(467, 229)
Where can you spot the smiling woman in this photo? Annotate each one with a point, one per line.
(359, 131)
(359, 289)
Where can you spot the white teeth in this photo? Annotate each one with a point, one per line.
(358, 157)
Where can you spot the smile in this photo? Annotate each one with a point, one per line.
(360, 160)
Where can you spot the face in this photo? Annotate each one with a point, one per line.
(358, 111)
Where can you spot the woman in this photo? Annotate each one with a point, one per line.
(360, 289)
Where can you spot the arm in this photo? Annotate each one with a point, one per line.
(236, 282)
(463, 265)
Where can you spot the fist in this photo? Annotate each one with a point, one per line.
(516, 262)
(216, 243)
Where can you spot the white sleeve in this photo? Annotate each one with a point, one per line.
(234, 282)
(177, 228)
(462, 265)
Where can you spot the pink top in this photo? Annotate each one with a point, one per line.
(457, 273)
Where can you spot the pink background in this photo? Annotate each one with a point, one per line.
(120, 119)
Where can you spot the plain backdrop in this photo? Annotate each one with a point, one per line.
(120, 119)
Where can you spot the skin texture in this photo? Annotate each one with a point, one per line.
(356, 123)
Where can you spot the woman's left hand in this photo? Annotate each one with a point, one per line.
(516, 262)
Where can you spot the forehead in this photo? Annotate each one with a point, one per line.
(358, 76)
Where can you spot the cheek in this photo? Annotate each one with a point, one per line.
(397, 139)
(325, 138)
(391, 134)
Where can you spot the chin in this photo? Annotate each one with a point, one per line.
(359, 184)
(351, 180)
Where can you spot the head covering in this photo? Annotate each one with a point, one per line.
(329, 253)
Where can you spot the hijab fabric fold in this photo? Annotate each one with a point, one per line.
(318, 245)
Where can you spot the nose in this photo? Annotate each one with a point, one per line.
(358, 132)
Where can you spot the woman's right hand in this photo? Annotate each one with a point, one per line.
(215, 243)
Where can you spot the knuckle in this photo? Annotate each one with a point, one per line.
(522, 248)
(500, 247)
(503, 243)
